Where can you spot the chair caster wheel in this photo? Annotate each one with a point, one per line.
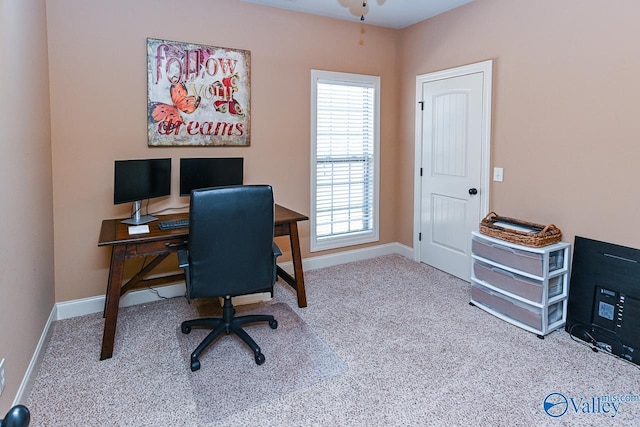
(259, 358)
(186, 329)
(273, 324)
(195, 365)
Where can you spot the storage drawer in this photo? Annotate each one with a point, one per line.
(525, 287)
(514, 309)
(529, 262)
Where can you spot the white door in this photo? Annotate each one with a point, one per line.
(453, 176)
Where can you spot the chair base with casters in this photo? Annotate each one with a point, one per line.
(227, 324)
(18, 416)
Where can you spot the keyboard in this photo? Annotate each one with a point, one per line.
(174, 223)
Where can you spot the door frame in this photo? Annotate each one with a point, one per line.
(486, 68)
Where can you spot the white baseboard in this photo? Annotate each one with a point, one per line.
(80, 307)
(330, 260)
(84, 306)
(25, 385)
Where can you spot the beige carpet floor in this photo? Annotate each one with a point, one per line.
(229, 380)
(415, 353)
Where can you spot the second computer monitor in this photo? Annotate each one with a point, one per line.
(209, 172)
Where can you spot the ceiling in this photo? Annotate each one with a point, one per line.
(395, 14)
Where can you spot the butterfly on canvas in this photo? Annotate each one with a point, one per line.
(169, 115)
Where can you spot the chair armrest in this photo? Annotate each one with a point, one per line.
(276, 250)
(183, 259)
(276, 253)
(183, 262)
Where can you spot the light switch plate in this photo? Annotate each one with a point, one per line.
(498, 174)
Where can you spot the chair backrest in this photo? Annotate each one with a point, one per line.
(231, 241)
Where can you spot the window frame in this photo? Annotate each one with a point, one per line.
(355, 237)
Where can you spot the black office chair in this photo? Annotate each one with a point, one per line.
(230, 252)
(18, 416)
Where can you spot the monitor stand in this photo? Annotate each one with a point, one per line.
(138, 219)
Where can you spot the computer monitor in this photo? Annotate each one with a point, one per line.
(209, 172)
(137, 180)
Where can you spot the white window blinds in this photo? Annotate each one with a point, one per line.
(344, 160)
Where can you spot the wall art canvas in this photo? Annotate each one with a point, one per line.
(198, 95)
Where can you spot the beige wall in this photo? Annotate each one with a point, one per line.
(26, 253)
(565, 108)
(98, 77)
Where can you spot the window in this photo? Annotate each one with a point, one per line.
(345, 116)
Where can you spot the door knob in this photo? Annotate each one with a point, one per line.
(473, 191)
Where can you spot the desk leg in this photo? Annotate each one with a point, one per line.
(297, 265)
(116, 271)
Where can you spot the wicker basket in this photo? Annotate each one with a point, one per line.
(541, 235)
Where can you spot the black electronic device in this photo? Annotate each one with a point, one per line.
(207, 172)
(604, 297)
(137, 180)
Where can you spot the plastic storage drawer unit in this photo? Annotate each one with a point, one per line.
(526, 286)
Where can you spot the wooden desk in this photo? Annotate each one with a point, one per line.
(161, 244)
